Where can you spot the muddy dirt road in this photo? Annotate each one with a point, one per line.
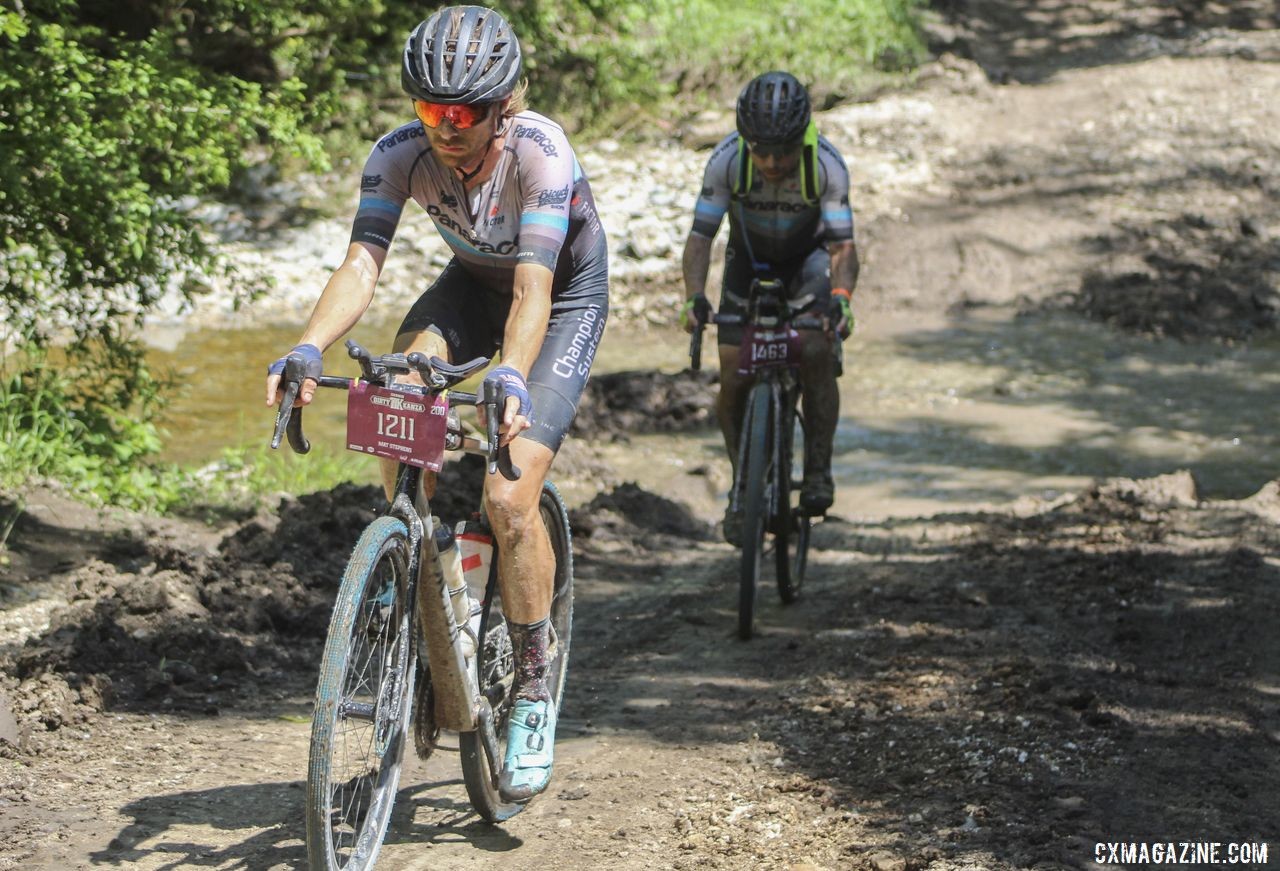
(976, 688)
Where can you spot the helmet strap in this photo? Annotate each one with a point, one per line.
(467, 176)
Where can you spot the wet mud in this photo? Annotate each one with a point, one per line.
(975, 688)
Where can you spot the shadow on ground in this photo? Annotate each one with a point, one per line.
(976, 685)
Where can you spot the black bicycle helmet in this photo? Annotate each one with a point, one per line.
(461, 54)
(773, 109)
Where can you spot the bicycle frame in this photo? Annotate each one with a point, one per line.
(460, 706)
(767, 308)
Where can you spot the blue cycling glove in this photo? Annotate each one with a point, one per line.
(512, 384)
(311, 360)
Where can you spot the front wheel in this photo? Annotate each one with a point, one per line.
(362, 699)
(754, 503)
(482, 762)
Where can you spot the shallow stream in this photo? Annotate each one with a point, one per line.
(936, 413)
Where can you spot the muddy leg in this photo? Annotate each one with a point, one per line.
(731, 401)
(821, 405)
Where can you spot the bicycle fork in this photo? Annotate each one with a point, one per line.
(774, 409)
(457, 701)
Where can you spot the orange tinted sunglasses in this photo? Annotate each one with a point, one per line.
(461, 115)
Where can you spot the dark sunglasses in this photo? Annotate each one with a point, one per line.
(774, 149)
(461, 115)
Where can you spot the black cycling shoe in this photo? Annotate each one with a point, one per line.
(817, 494)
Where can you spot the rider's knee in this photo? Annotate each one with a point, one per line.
(511, 512)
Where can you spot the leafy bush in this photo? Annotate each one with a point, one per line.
(90, 424)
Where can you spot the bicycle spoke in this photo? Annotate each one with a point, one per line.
(356, 755)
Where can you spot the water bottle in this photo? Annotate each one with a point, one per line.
(475, 542)
(451, 568)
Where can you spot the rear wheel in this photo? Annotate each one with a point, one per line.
(755, 503)
(496, 667)
(362, 699)
(791, 538)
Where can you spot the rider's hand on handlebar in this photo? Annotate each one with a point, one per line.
(695, 312)
(314, 366)
(516, 404)
(841, 313)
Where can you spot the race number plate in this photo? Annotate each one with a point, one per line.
(763, 349)
(403, 426)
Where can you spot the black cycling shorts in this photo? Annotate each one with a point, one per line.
(471, 317)
(807, 280)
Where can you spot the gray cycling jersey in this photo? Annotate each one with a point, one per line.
(779, 223)
(536, 205)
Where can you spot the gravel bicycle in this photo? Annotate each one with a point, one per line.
(408, 648)
(772, 431)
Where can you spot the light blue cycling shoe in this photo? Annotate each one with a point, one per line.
(531, 735)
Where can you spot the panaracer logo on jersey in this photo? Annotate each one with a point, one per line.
(539, 136)
(397, 403)
(469, 235)
(775, 206)
(404, 134)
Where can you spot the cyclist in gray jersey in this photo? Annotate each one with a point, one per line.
(786, 191)
(529, 276)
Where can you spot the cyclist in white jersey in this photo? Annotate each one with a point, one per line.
(786, 191)
(529, 276)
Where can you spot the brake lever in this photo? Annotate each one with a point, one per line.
(499, 457)
(284, 413)
(288, 418)
(695, 349)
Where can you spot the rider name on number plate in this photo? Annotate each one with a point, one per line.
(397, 424)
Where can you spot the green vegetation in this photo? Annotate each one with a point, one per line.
(118, 119)
(246, 476)
(90, 424)
(659, 62)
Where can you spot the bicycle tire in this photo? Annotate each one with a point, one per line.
(792, 526)
(362, 704)
(496, 665)
(755, 502)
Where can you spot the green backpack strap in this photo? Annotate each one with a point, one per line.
(808, 167)
(742, 182)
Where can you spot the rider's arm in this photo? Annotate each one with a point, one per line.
(523, 335)
(708, 212)
(529, 316)
(844, 264)
(696, 262)
(346, 296)
(837, 218)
